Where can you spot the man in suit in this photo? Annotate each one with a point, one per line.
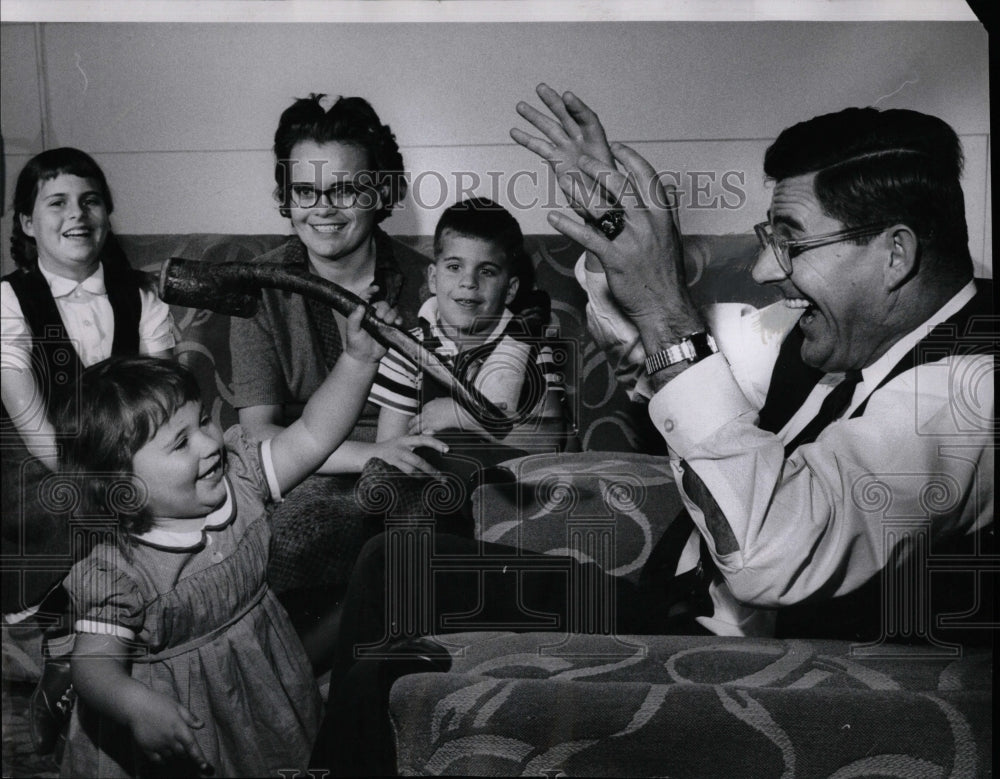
(808, 469)
(837, 442)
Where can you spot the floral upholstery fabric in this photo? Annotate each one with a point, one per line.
(599, 507)
(718, 270)
(538, 704)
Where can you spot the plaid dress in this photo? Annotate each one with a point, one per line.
(208, 632)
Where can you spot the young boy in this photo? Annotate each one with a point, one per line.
(480, 276)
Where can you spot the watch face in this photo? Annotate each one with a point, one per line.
(699, 344)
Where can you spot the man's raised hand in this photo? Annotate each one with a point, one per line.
(574, 133)
(644, 264)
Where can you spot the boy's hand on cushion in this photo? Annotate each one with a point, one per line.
(399, 452)
(441, 414)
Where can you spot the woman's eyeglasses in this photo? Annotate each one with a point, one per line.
(343, 194)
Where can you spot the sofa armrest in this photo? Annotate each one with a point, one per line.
(566, 503)
(475, 726)
(516, 705)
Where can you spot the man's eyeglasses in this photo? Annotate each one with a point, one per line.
(785, 248)
(341, 195)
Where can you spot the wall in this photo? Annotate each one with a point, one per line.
(181, 116)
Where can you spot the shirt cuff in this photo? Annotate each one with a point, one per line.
(161, 344)
(267, 464)
(102, 628)
(156, 330)
(615, 335)
(696, 403)
(595, 284)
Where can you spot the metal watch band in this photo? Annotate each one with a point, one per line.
(693, 348)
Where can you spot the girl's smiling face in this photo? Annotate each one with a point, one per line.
(70, 224)
(181, 467)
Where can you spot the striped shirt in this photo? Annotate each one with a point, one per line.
(509, 367)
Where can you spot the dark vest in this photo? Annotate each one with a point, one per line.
(54, 358)
(860, 615)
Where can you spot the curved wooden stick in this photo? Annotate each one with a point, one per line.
(234, 288)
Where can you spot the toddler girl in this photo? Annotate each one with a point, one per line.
(184, 661)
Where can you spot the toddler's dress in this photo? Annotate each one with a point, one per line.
(211, 635)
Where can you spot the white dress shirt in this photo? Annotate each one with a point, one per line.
(819, 520)
(86, 313)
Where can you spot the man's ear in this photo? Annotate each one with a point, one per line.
(26, 225)
(901, 263)
(512, 286)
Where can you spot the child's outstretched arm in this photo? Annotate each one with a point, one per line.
(334, 408)
(160, 725)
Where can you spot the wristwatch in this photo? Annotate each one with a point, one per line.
(695, 347)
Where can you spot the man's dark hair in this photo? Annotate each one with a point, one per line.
(894, 167)
(352, 121)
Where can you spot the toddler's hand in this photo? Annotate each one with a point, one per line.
(360, 344)
(162, 730)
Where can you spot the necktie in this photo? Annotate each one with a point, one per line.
(791, 382)
(833, 406)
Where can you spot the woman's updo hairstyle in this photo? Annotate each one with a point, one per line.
(349, 120)
(39, 169)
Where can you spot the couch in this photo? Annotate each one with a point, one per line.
(580, 701)
(534, 704)
(605, 420)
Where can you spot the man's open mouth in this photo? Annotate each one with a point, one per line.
(807, 307)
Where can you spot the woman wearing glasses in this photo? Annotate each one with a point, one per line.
(338, 174)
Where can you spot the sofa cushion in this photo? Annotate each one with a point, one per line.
(717, 270)
(527, 704)
(597, 507)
